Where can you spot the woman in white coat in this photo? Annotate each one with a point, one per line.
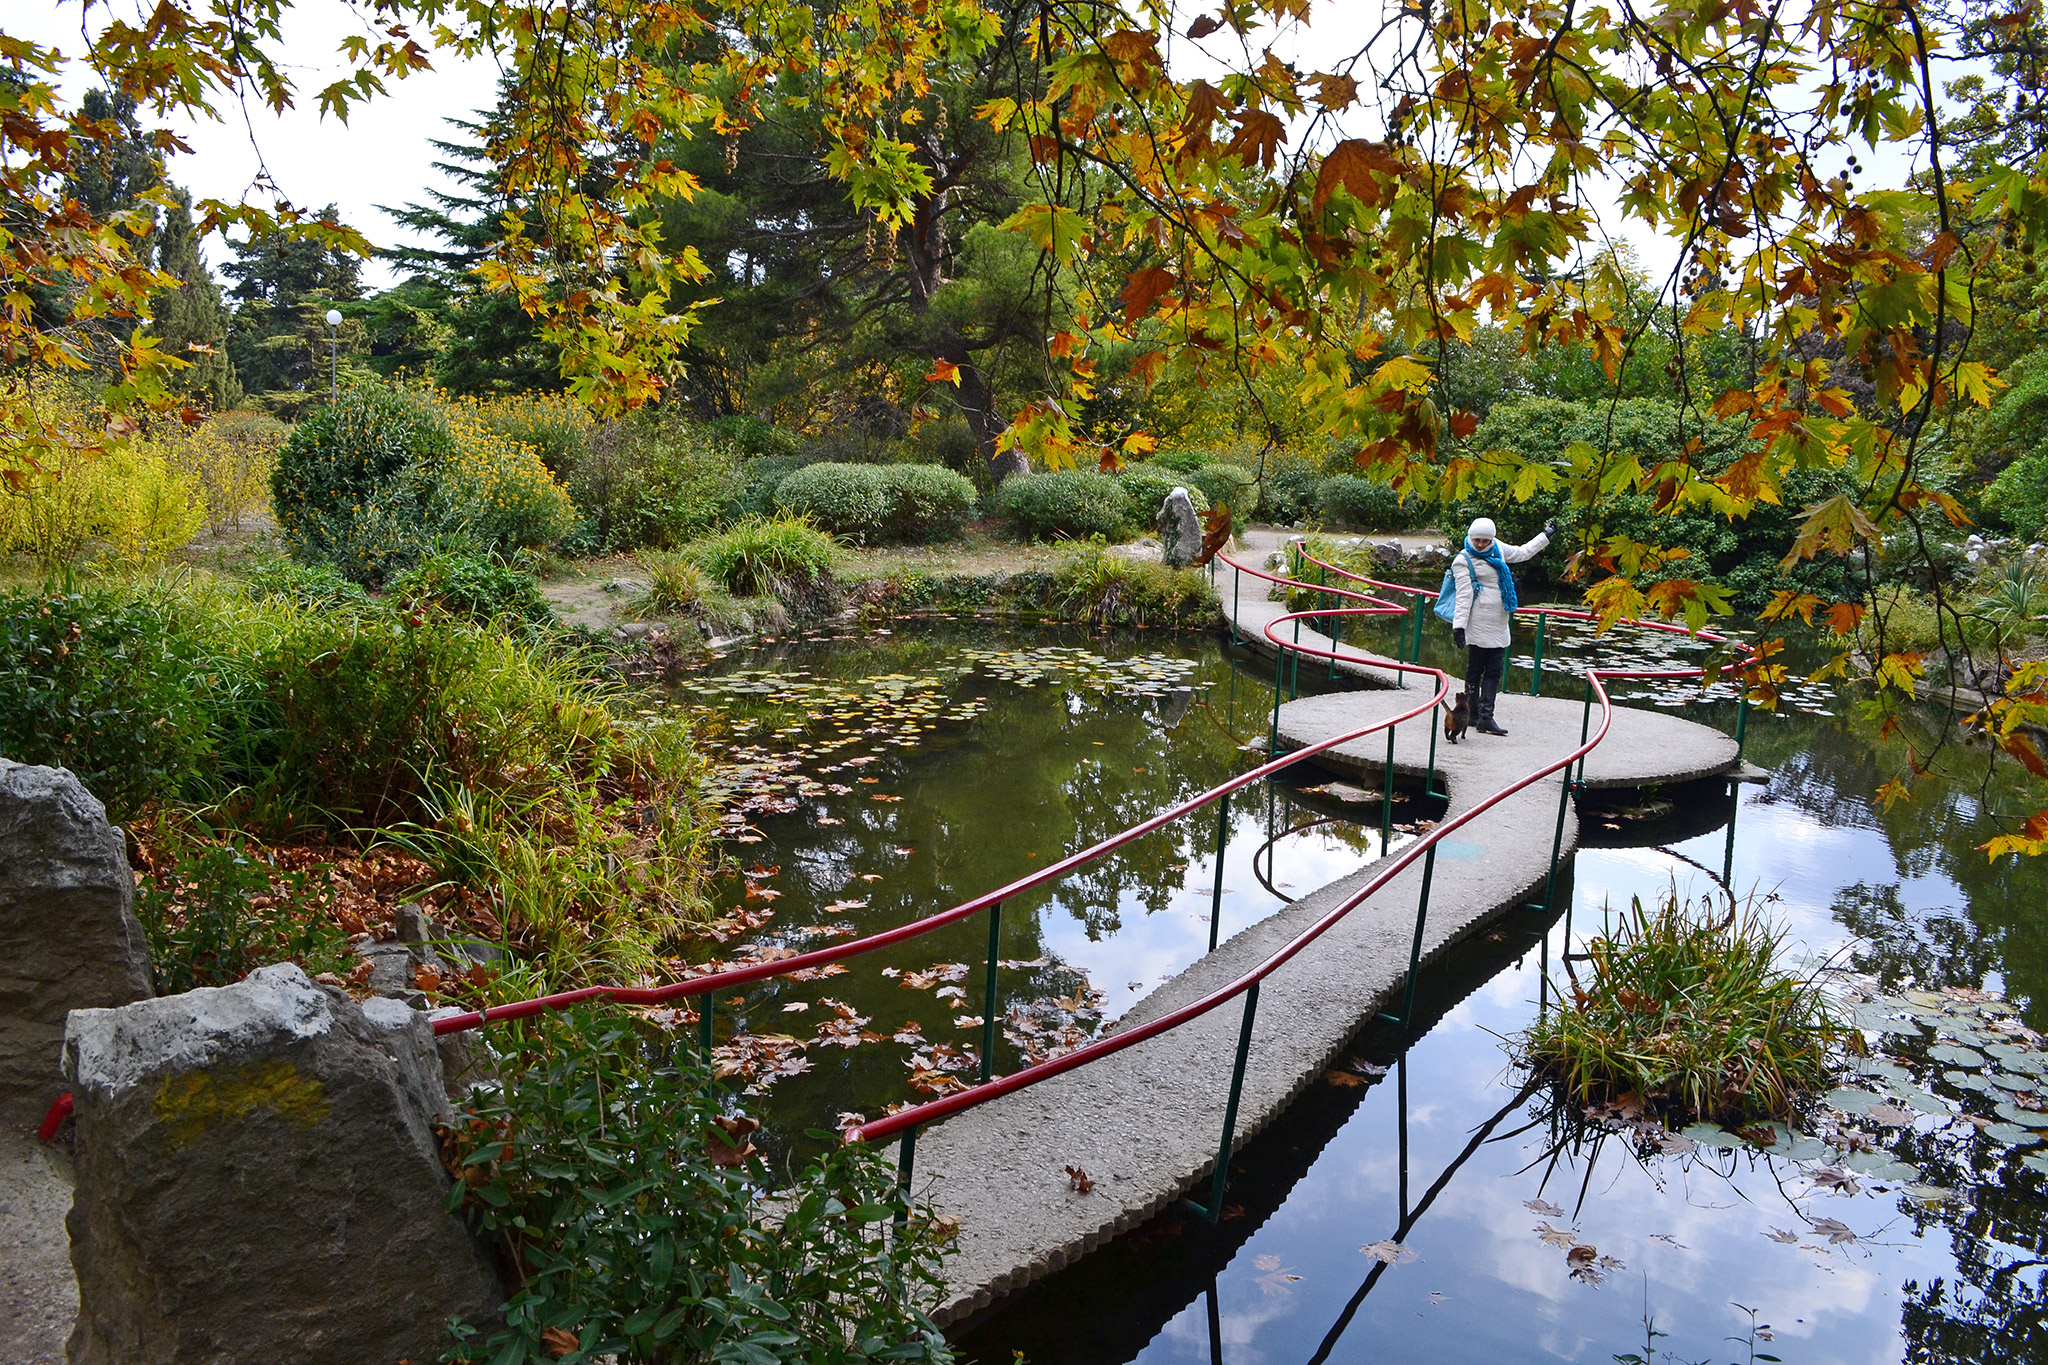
(1486, 604)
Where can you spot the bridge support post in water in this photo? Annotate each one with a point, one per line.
(1728, 856)
(1213, 1210)
(988, 1006)
(1415, 948)
(1222, 841)
(1536, 663)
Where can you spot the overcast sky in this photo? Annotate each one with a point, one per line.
(383, 155)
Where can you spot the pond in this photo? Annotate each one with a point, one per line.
(879, 777)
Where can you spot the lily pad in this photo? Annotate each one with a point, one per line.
(2029, 1118)
(1921, 1100)
(2011, 1135)
(1873, 1017)
(2038, 1161)
(2006, 1080)
(1711, 1135)
(1879, 1165)
(1847, 1100)
(1955, 1055)
(1891, 1071)
(1926, 999)
(1967, 1080)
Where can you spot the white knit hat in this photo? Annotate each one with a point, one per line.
(1482, 529)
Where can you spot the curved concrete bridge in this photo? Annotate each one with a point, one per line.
(1145, 1122)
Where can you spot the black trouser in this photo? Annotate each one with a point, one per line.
(1482, 678)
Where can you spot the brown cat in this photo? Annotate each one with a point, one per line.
(1457, 719)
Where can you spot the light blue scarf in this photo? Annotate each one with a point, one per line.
(1492, 556)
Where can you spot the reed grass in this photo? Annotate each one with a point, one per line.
(1689, 1007)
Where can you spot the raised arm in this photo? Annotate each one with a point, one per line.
(1515, 554)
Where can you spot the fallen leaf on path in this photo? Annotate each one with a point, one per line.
(1078, 1181)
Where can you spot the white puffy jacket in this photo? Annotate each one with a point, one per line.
(1485, 622)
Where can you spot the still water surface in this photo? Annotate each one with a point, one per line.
(992, 754)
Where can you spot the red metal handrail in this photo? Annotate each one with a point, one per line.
(740, 976)
(946, 1106)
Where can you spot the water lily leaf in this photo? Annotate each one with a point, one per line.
(2038, 1161)
(1955, 1055)
(1709, 1135)
(2026, 1118)
(1851, 1101)
(2006, 1080)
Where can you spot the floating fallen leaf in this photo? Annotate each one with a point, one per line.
(796, 1006)
(1544, 1207)
(1078, 1181)
(1556, 1237)
(949, 993)
(871, 876)
(1780, 1235)
(967, 1021)
(878, 796)
(1836, 1179)
(1836, 1231)
(836, 906)
(1582, 1254)
(1276, 1280)
(1388, 1253)
(1888, 1115)
(830, 820)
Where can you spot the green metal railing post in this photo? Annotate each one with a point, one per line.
(1294, 675)
(1387, 798)
(1279, 670)
(1741, 721)
(1728, 857)
(1236, 592)
(1536, 664)
(1415, 948)
(1564, 797)
(1401, 1101)
(1429, 779)
(1213, 1210)
(906, 1155)
(1222, 841)
(1585, 728)
(988, 1007)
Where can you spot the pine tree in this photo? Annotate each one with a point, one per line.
(191, 321)
(279, 339)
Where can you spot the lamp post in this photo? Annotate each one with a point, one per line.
(334, 352)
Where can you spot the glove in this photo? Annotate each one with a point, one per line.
(1550, 530)
(1459, 636)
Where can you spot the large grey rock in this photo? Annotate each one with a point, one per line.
(1180, 533)
(68, 934)
(259, 1181)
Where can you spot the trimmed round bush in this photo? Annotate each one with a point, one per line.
(873, 503)
(846, 499)
(927, 501)
(1070, 503)
(1147, 486)
(1231, 485)
(1350, 500)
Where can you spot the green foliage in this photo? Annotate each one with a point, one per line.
(758, 481)
(107, 685)
(876, 503)
(472, 586)
(1689, 1008)
(1229, 485)
(213, 913)
(1148, 484)
(643, 1233)
(2011, 609)
(755, 439)
(306, 585)
(354, 480)
(784, 556)
(1066, 504)
(1353, 500)
(2016, 445)
(654, 482)
(1106, 589)
(1291, 492)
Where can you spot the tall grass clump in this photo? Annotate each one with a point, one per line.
(1689, 1008)
(783, 556)
(1105, 589)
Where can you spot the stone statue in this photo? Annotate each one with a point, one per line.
(1180, 531)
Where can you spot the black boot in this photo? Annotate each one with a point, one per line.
(1486, 724)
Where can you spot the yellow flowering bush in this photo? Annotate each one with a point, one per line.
(231, 454)
(496, 487)
(59, 495)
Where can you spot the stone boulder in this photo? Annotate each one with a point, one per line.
(69, 938)
(1180, 531)
(259, 1180)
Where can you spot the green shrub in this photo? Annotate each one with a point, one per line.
(927, 502)
(1147, 486)
(308, 585)
(846, 499)
(1182, 461)
(660, 1242)
(874, 503)
(354, 480)
(1291, 491)
(107, 685)
(213, 913)
(1105, 589)
(755, 439)
(654, 482)
(1232, 486)
(785, 557)
(1353, 500)
(472, 586)
(495, 489)
(1688, 1008)
(758, 481)
(1066, 503)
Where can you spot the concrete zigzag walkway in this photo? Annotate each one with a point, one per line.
(1144, 1123)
